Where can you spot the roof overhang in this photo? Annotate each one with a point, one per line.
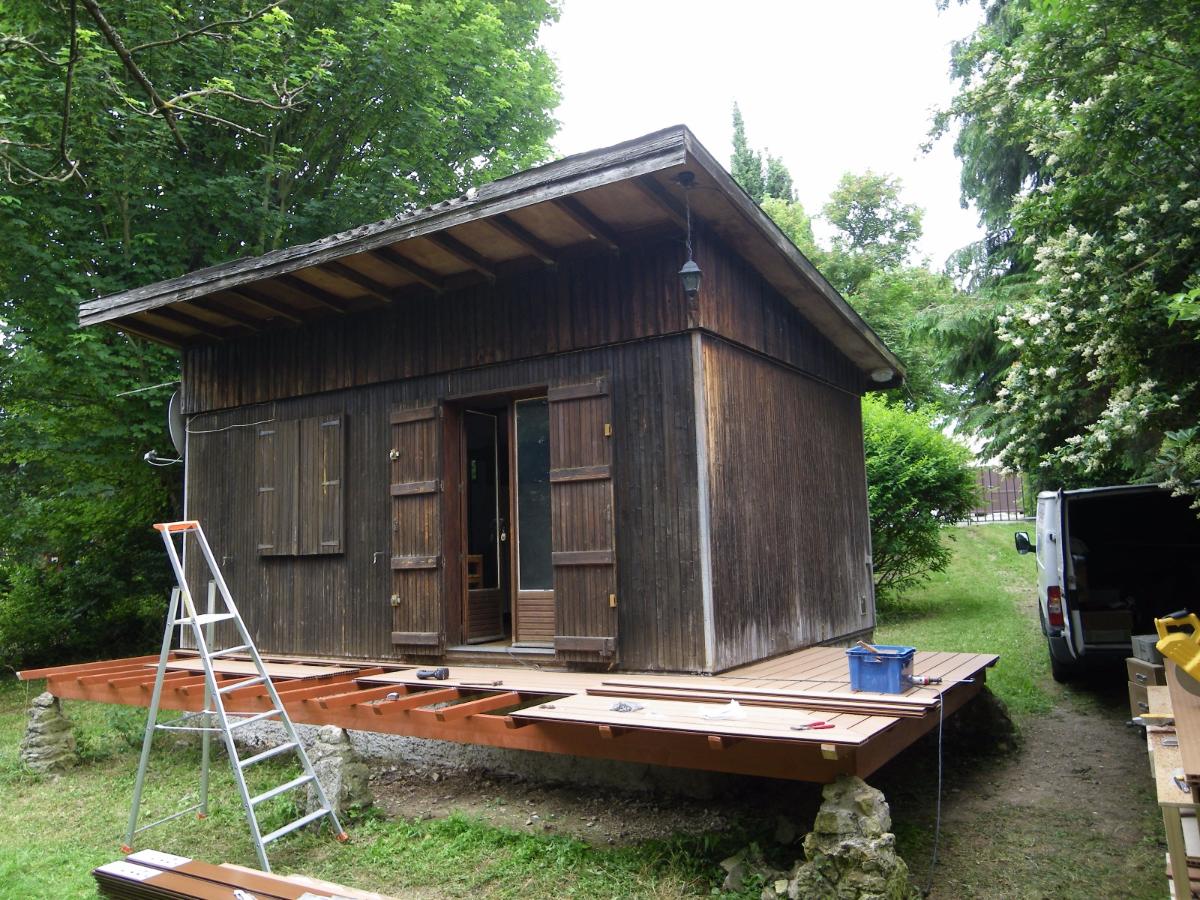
(536, 217)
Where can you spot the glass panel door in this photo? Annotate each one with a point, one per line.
(535, 572)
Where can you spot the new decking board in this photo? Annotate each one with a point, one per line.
(289, 671)
(1186, 708)
(528, 681)
(763, 723)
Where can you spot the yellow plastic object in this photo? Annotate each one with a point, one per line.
(1182, 648)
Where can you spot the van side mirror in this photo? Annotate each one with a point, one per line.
(1024, 545)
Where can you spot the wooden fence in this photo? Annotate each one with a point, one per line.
(1002, 497)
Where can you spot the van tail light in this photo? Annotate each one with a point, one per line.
(1054, 612)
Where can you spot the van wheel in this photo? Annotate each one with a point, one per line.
(1062, 672)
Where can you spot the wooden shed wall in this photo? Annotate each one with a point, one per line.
(787, 507)
(738, 304)
(338, 605)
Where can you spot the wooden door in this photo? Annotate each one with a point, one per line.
(582, 515)
(418, 588)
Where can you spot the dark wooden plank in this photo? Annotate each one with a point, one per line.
(581, 473)
(273, 306)
(416, 562)
(401, 416)
(587, 220)
(323, 298)
(416, 487)
(604, 646)
(584, 557)
(417, 638)
(518, 234)
(464, 254)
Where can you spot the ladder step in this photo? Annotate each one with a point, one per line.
(258, 718)
(282, 789)
(233, 686)
(205, 619)
(292, 826)
(229, 651)
(266, 754)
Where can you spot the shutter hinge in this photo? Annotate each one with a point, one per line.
(608, 429)
(395, 599)
(612, 601)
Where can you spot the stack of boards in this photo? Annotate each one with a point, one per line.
(151, 875)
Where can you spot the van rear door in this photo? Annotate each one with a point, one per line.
(1051, 556)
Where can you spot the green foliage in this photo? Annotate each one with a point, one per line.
(793, 221)
(871, 220)
(284, 126)
(1078, 122)
(762, 176)
(917, 481)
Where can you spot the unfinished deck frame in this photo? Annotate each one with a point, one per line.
(570, 713)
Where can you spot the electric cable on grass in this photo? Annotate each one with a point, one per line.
(937, 821)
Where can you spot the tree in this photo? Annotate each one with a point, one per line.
(871, 221)
(746, 167)
(917, 481)
(143, 139)
(1098, 376)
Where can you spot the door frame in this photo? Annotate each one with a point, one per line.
(454, 536)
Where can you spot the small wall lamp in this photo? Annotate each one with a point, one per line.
(690, 274)
(883, 375)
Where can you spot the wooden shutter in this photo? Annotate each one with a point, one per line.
(417, 582)
(582, 522)
(277, 448)
(322, 475)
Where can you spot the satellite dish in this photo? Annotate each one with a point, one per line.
(175, 423)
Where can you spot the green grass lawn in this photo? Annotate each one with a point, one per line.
(983, 603)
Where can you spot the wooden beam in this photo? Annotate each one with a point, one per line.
(150, 332)
(359, 695)
(474, 707)
(464, 254)
(275, 307)
(393, 257)
(107, 665)
(662, 198)
(589, 222)
(377, 290)
(534, 245)
(178, 316)
(415, 701)
(218, 308)
(323, 297)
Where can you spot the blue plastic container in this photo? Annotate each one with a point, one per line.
(887, 672)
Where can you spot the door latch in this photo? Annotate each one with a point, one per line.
(393, 454)
(395, 599)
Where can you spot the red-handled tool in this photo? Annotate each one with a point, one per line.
(813, 726)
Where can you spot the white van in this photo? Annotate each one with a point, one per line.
(1109, 561)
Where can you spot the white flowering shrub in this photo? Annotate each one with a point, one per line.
(1104, 99)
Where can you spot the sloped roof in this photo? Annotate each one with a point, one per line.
(535, 217)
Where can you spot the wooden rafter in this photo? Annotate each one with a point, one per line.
(218, 308)
(464, 254)
(319, 295)
(517, 233)
(662, 198)
(188, 320)
(274, 307)
(151, 333)
(394, 258)
(589, 222)
(376, 290)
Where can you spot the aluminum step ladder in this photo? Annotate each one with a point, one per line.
(183, 613)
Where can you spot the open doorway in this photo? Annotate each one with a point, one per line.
(508, 576)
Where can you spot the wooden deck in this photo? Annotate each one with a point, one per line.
(671, 720)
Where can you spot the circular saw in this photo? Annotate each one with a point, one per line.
(1179, 641)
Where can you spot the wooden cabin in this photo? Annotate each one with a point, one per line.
(498, 429)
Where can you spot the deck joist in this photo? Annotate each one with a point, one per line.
(669, 720)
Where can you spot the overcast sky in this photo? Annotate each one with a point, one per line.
(828, 86)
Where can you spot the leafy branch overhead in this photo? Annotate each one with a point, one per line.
(171, 109)
(298, 119)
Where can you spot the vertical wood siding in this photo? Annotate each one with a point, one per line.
(736, 303)
(788, 508)
(339, 605)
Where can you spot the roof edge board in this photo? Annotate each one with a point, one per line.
(754, 214)
(661, 150)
